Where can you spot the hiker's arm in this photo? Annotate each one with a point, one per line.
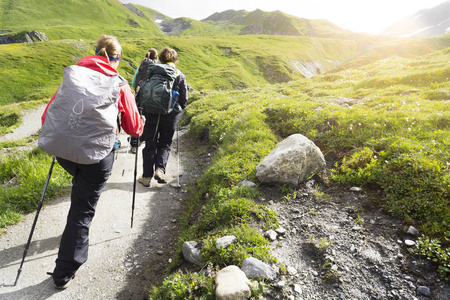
(131, 121)
(133, 83)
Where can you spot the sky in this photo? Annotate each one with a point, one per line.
(370, 16)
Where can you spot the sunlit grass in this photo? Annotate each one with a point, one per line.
(22, 178)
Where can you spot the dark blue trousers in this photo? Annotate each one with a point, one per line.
(158, 138)
(87, 185)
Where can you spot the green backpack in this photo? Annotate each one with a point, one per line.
(155, 93)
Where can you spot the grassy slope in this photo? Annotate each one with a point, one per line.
(33, 71)
(394, 138)
(75, 19)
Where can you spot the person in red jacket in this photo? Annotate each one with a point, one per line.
(90, 179)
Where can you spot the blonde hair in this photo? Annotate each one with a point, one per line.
(168, 55)
(109, 47)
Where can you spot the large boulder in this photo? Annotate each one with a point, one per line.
(291, 162)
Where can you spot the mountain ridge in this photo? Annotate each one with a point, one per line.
(241, 22)
(426, 22)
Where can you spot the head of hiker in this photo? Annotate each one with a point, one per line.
(152, 53)
(168, 55)
(109, 47)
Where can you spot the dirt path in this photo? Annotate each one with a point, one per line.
(122, 261)
(31, 123)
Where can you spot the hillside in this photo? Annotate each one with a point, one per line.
(76, 19)
(33, 71)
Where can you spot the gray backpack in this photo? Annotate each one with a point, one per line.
(80, 123)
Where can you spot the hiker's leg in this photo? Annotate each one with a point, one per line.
(149, 151)
(88, 184)
(168, 124)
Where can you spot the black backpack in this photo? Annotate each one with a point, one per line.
(155, 93)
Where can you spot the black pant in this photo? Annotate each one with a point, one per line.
(158, 138)
(87, 185)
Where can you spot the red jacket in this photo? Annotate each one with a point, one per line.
(131, 121)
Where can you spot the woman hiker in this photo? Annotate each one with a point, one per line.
(158, 134)
(140, 75)
(90, 179)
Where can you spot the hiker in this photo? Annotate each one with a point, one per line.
(90, 179)
(140, 75)
(159, 129)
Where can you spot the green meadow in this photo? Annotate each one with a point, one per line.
(379, 112)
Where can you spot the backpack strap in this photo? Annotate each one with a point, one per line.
(122, 80)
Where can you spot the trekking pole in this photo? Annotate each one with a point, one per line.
(135, 176)
(35, 219)
(178, 157)
(134, 185)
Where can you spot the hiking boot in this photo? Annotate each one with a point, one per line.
(62, 284)
(160, 176)
(145, 181)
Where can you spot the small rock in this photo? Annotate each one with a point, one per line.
(400, 256)
(409, 243)
(271, 234)
(292, 271)
(297, 288)
(356, 189)
(280, 230)
(413, 231)
(247, 183)
(254, 268)
(357, 228)
(191, 252)
(315, 273)
(225, 241)
(280, 284)
(424, 290)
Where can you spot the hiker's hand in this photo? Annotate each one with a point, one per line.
(143, 118)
